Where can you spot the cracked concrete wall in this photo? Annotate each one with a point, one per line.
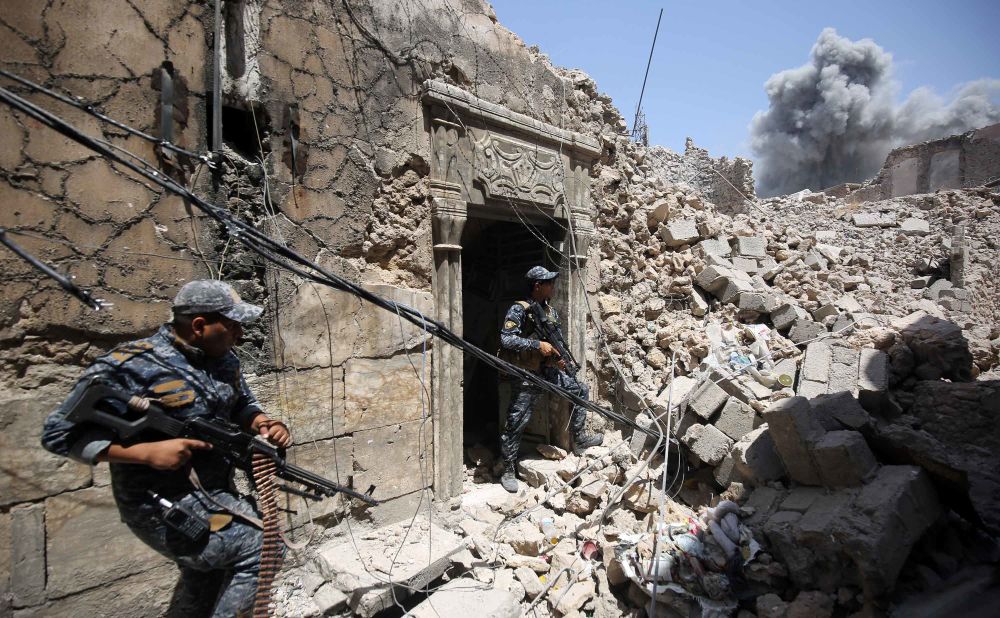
(324, 111)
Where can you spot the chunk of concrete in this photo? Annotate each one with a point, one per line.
(795, 430)
(873, 379)
(815, 261)
(840, 411)
(888, 517)
(933, 291)
(825, 311)
(708, 399)
(680, 232)
(27, 554)
(804, 330)
(713, 246)
(574, 598)
(844, 459)
(817, 361)
(366, 582)
(458, 598)
(539, 472)
(761, 302)
(785, 315)
(915, 227)
(751, 246)
(737, 419)
(707, 443)
(699, 304)
(874, 219)
(755, 459)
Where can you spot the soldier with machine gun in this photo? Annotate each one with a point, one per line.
(532, 339)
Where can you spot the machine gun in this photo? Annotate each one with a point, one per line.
(550, 331)
(235, 445)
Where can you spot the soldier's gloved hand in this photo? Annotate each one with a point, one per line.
(172, 454)
(547, 349)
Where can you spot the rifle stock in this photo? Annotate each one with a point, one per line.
(226, 438)
(550, 332)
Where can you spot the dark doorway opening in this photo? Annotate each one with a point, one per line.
(495, 256)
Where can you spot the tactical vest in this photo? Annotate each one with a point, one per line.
(529, 360)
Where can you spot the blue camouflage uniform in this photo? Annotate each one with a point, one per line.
(520, 335)
(221, 569)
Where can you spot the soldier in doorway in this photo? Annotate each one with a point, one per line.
(526, 343)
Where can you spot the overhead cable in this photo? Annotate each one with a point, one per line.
(288, 259)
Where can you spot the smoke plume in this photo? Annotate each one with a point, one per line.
(835, 119)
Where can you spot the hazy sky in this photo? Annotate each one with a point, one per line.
(713, 57)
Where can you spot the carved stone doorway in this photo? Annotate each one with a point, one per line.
(489, 162)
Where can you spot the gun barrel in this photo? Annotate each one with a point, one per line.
(299, 475)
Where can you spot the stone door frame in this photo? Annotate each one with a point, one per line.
(483, 152)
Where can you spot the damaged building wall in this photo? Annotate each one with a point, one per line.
(321, 108)
(955, 162)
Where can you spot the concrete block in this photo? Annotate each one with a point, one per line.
(934, 290)
(533, 586)
(751, 246)
(762, 502)
(785, 315)
(396, 459)
(27, 554)
(539, 472)
(815, 261)
(781, 531)
(711, 279)
(915, 227)
(832, 253)
(761, 302)
(574, 598)
(825, 311)
(844, 376)
(747, 265)
(919, 283)
(817, 361)
(801, 498)
(380, 392)
(732, 386)
(366, 583)
(844, 459)
(840, 411)
(680, 232)
(737, 419)
(787, 367)
(795, 430)
(874, 219)
(848, 303)
(890, 515)
(329, 600)
(142, 594)
(699, 304)
(873, 378)
(708, 399)
(755, 459)
(725, 472)
(713, 246)
(29, 472)
(707, 443)
(810, 389)
(805, 330)
(80, 525)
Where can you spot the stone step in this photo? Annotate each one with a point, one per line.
(364, 572)
(467, 597)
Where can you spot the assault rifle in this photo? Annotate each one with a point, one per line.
(235, 445)
(550, 331)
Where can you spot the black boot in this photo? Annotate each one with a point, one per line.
(582, 441)
(509, 479)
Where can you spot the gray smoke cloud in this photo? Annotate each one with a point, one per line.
(835, 119)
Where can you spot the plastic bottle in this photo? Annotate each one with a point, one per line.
(549, 530)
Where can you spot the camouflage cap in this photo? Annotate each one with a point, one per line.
(538, 273)
(209, 296)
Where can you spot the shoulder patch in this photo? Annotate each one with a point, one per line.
(510, 324)
(127, 350)
(524, 304)
(173, 393)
